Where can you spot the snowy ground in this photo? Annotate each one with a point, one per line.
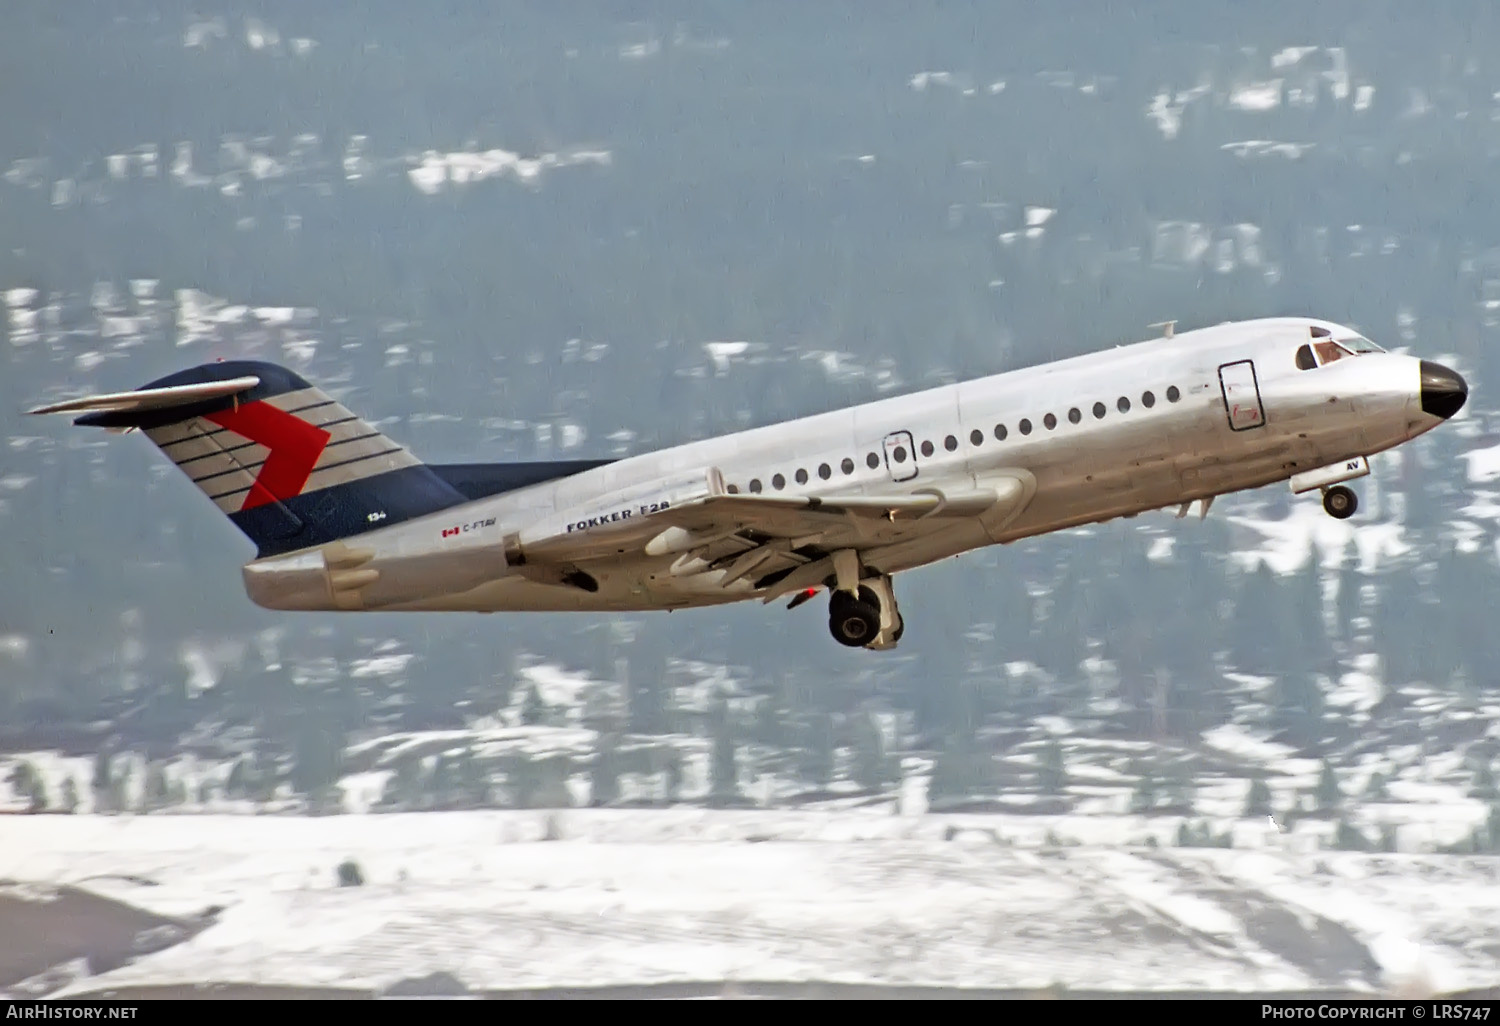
(692, 895)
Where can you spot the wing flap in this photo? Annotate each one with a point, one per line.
(707, 529)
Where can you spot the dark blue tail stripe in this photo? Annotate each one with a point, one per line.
(344, 511)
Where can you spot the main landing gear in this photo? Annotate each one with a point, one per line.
(862, 613)
(1340, 502)
(854, 621)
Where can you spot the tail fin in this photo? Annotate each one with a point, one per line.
(289, 465)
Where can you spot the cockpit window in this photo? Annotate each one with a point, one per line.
(1329, 352)
(1360, 344)
(1323, 352)
(1321, 332)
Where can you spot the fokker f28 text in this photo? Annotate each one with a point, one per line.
(345, 518)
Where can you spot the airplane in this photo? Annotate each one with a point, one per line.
(345, 518)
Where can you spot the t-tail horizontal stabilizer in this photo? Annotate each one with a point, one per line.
(151, 398)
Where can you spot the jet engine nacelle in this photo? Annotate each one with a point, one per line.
(341, 576)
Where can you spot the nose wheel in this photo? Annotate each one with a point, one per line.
(1340, 502)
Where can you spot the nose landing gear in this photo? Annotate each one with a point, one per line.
(1340, 502)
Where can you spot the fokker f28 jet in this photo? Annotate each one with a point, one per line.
(345, 518)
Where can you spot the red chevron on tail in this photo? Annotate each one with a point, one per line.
(295, 447)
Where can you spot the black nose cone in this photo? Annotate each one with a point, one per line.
(1443, 391)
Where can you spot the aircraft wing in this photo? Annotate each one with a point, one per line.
(779, 542)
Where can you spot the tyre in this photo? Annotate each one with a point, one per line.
(852, 622)
(1340, 502)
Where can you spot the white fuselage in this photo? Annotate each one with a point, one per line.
(1104, 435)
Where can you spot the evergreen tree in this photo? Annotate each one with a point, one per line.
(1328, 795)
(473, 781)
(1052, 774)
(441, 784)
(70, 795)
(723, 765)
(768, 728)
(873, 769)
(1147, 794)
(1061, 639)
(102, 783)
(525, 783)
(605, 785)
(235, 786)
(317, 759)
(1347, 838)
(1258, 802)
(1399, 618)
(1178, 791)
(818, 750)
(403, 788)
(1257, 635)
(1297, 707)
(647, 684)
(28, 784)
(1304, 641)
(155, 796)
(672, 771)
(1376, 790)
(1348, 600)
(1484, 781)
(533, 710)
(958, 771)
(552, 783)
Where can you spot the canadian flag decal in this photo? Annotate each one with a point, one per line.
(449, 531)
(295, 447)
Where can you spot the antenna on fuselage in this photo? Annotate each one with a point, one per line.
(1167, 327)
